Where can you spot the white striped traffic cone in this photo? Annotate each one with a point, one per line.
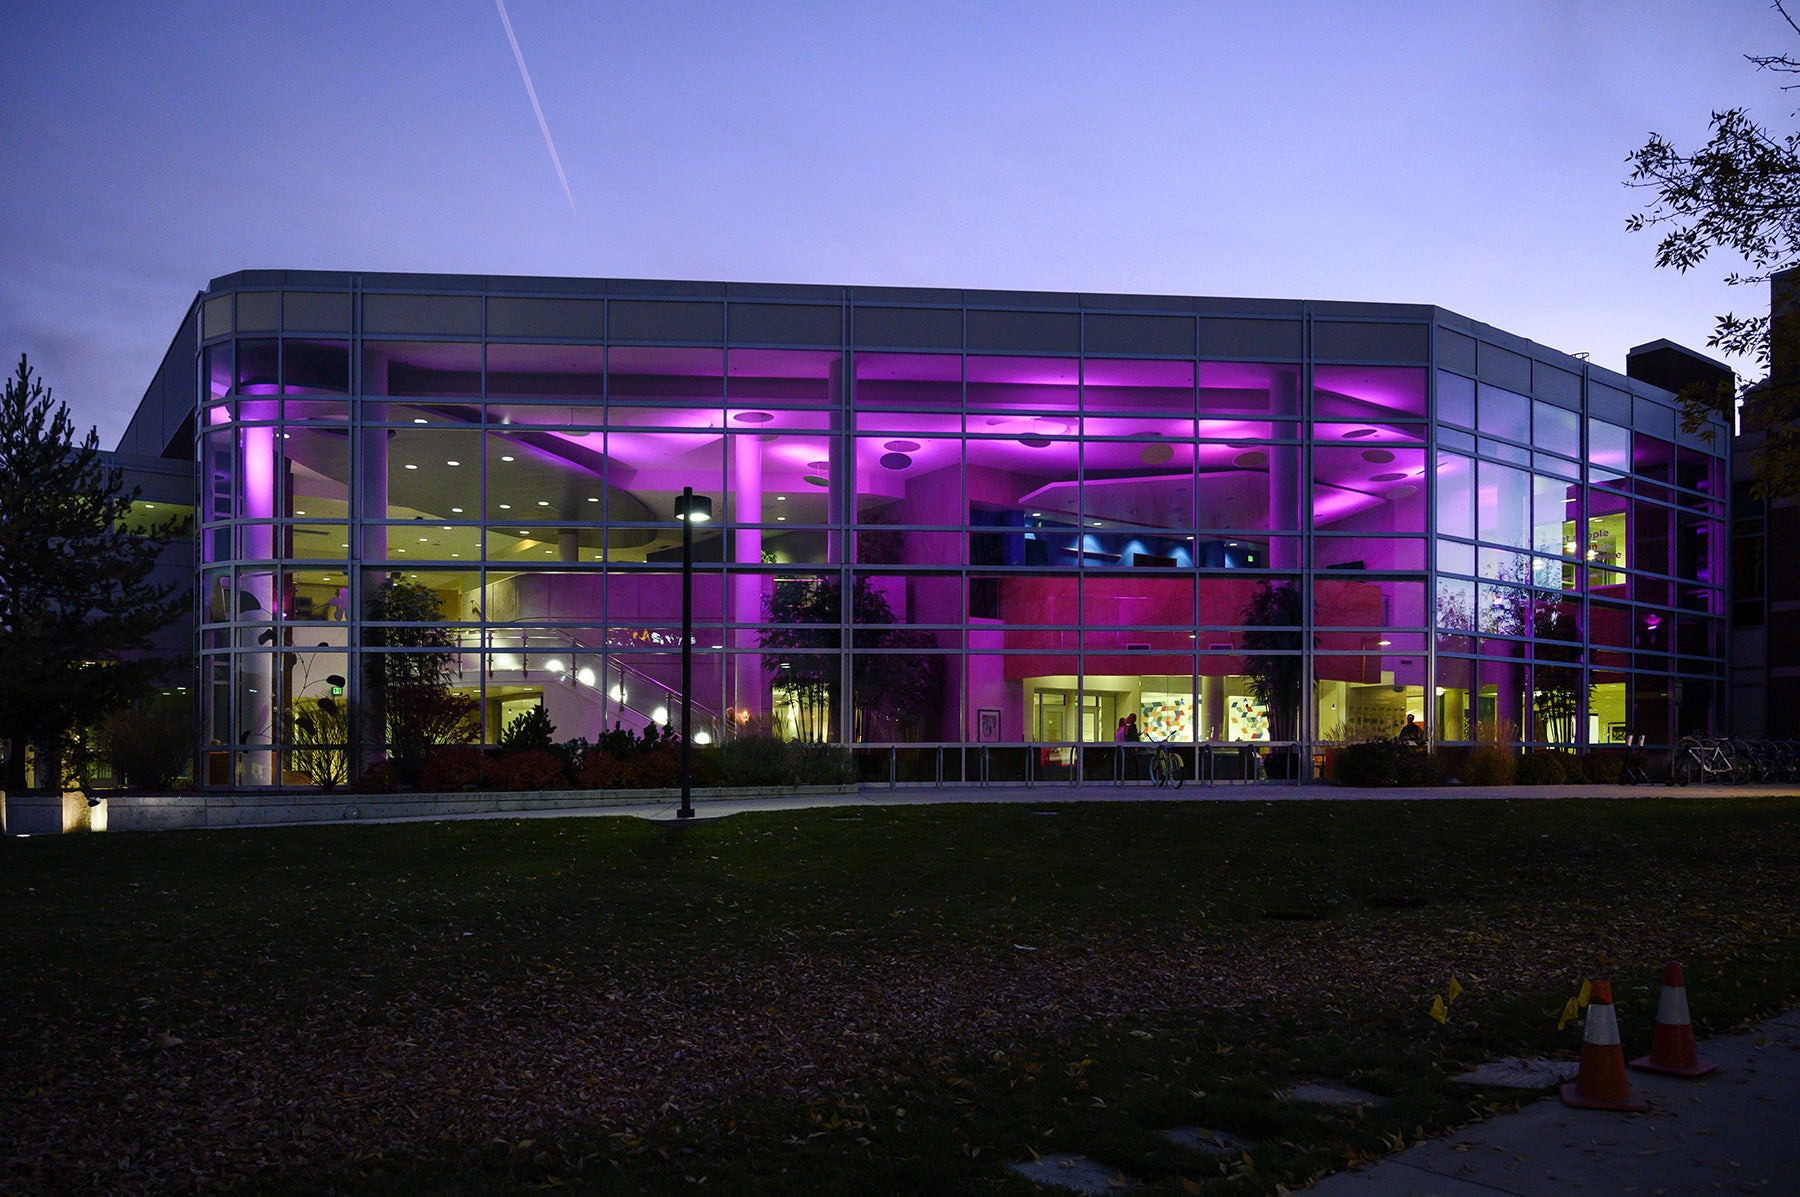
(1601, 1083)
(1672, 1048)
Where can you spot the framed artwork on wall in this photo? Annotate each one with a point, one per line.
(987, 726)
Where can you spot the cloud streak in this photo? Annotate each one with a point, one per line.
(531, 92)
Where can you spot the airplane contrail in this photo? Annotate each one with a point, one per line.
(535, 106)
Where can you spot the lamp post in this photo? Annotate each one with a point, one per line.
(690, 509)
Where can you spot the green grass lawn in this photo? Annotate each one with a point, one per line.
(841, 1000)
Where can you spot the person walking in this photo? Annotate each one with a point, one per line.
(1129, 730)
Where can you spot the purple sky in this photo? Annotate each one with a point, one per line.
(1468, 155)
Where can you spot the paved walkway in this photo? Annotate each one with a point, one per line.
(1731, 1131)
(880, 795)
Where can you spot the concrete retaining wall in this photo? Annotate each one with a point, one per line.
(169, 812)
(49, 814)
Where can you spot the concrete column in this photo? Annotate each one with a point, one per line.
(1285, 482)
(1212, 706)
(748, 688)
(369, 501)
(256, 601)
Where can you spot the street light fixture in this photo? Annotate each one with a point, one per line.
(690, 509)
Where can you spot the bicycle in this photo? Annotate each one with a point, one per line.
(1167, 767)
(1702, 757)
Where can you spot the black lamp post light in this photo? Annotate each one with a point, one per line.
(690, 509)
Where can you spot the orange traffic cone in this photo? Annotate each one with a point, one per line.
(1601, 1083)
(1672, 1046)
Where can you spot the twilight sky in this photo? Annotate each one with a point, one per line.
(1464, 154)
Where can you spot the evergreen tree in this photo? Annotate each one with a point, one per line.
(77, 604)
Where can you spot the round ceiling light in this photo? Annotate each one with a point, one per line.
(753, 417)
(1402, 492)
(1155, 455)
(902, 446)
(1035, 442)
(1387, 477)
(895, 461)
(814, 480)
(1377, 456)
(1358, 433)
(819, 466)
(1250, 461)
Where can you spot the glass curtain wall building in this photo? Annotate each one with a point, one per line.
(1279, 524)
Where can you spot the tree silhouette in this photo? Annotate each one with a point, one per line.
(893, 681)
(1740, 192)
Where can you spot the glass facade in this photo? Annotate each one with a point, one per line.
(1277, 528)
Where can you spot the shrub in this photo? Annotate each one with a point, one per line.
(1490, 765)
(822, 765)
(151, 746)
(749, 761)
(452, 767)
(377, 778)
(1603, 768)
(1541, 769)
(657, 769)
(1383, 763)
(1372, 764)
(528, 729)
(319, 742)
(530, 769)
(597, 770)
(1419, 769)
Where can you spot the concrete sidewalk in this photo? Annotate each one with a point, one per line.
(1732, 1131)
(881, 795)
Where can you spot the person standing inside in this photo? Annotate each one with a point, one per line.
(1129, 730)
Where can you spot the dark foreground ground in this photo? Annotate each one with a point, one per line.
(845, 999)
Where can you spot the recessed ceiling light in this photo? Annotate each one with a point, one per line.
(456, 554)
(506, 506)
(753, 417)
(505, 457)
(453, 463)
(297, 511)
(781, 498)
(421, 540)
(418, 419)
(782, 519)
(1383, 643)
(902, 446)
(411, 466)
(593, 499)
(153, 504)
(399, 550)
(543, 502)
(458, 510)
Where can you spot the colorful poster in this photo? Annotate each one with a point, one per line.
(1248, 719)
(1167, 718)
